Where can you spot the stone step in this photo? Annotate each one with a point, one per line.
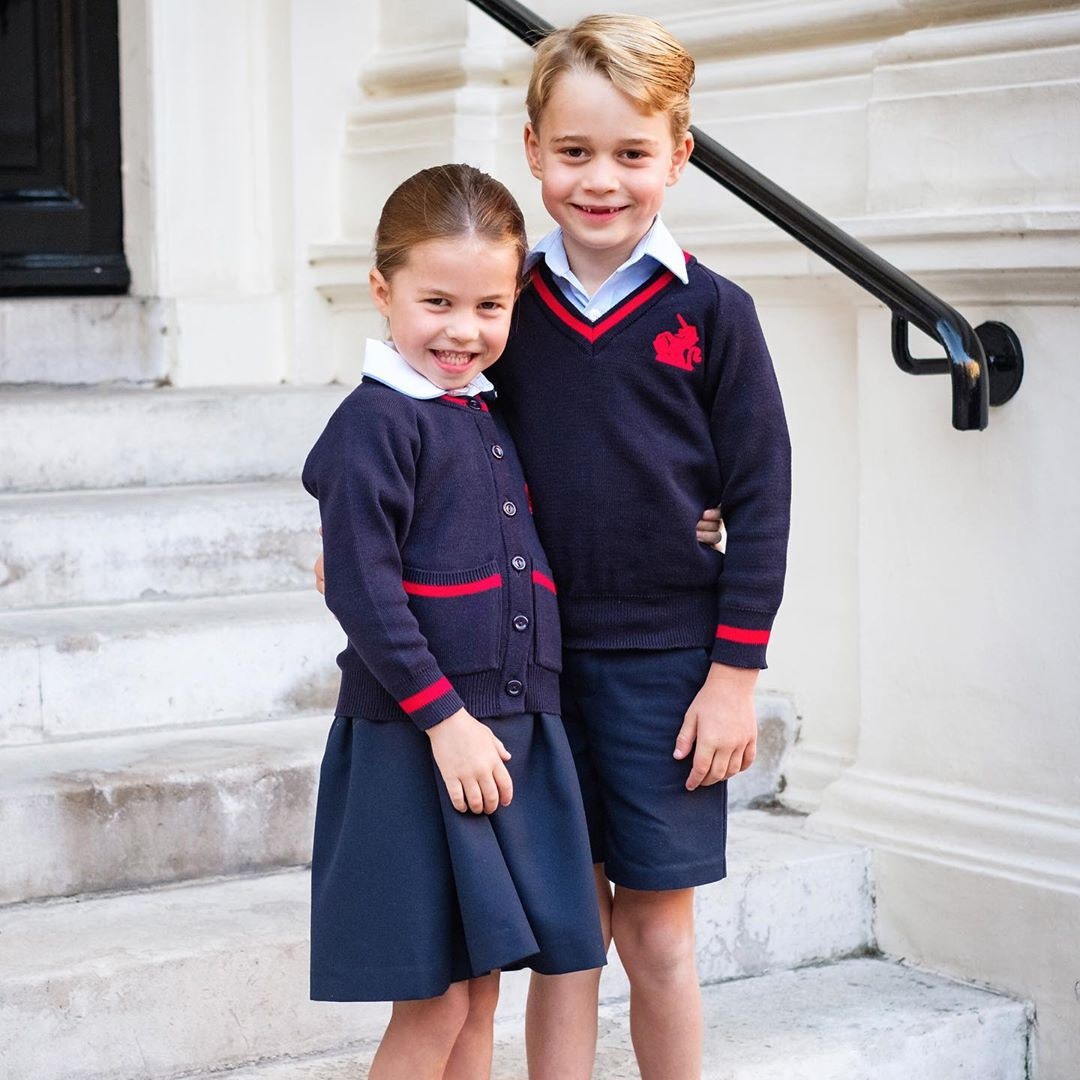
(213, 975)
(53, 439)
(83, 339)
(860, 1019)
(155, 543)
(74, 672)
(127, 811)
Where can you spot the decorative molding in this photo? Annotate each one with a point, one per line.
(808, 770)
(984, 832)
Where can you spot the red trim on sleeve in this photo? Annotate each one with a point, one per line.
(742, 636)
(416, 588)
(425, 697)
(544, 581)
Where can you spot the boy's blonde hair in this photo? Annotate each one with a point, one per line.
(636, 54)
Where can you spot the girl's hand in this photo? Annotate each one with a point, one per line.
(470, 759)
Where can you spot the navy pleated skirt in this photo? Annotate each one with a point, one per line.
(408, 895)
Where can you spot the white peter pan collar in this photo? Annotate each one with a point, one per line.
(384, 364)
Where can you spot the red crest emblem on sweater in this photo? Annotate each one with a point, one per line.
(679, 348)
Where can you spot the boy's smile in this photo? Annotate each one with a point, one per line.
(603, 165)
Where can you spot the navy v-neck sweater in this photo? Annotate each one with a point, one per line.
(433, 566)
(628, 428)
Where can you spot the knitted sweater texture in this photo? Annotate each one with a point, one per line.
(433, 566)
(628, 428)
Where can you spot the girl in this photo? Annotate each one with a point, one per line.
(446, 848)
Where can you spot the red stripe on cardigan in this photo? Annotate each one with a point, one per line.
(742, 636)
(544, 581)
(460, 399)
(425, 697)
(416, 588)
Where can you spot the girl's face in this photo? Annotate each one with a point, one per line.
(449, 306)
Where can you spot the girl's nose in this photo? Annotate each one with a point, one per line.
(462, 330)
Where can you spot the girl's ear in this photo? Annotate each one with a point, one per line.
(380, 292)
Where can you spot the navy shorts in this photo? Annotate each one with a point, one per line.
(622, 709)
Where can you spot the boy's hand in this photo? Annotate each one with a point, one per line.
(721, 720)
(470, 759)
(320, 577)
(710, 529)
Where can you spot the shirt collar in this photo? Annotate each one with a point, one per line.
(384, 364)
(657, 243)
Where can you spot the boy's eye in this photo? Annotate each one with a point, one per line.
(635, 155)
(574, 152)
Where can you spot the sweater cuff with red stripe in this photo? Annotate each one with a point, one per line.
(432, 701)
(742, 638)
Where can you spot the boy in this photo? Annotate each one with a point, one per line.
(639, 389)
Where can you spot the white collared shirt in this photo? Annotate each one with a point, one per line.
(656, 248)
(384, 364)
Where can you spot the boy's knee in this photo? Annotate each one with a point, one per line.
(654, 940)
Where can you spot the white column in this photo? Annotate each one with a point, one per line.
(206, 105)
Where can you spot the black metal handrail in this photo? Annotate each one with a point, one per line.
(986, 364)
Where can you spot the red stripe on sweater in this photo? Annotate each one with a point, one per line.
(742, 636)
(416, 588)
(621, 311)
(544, 581)
(425, 697)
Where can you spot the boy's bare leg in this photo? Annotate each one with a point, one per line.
(420, 1037)
(654, 933)
(560, 1021)
(471, 1057)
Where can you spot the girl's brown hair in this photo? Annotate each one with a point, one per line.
(441, 203)
(638, 55)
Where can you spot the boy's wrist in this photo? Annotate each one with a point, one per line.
(743, 678)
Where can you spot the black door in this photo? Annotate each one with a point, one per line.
(61, 225)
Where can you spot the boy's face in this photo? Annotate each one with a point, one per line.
(603, 166)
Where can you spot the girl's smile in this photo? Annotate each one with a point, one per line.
(449, 306)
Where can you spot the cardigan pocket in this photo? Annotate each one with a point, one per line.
(548, 636)
(460, 613)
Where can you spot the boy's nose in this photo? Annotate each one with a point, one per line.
(600, 177)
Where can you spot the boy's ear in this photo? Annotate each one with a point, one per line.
(532, 151)
(380, 292)
(679, 158)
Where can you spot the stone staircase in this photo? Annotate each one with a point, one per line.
(166, 681)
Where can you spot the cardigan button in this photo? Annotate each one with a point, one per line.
(518, 562)
(497, 452)
(514, 687)
(509, 509)
(521, 622)
(474, 403)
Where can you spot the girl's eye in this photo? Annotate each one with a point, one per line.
(491, 305)
(437, 301)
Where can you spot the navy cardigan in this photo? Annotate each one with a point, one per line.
(433, 566)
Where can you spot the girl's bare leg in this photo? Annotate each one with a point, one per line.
(654, 933)
(560, 1021)
(420, 1037)
(471, 1056)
